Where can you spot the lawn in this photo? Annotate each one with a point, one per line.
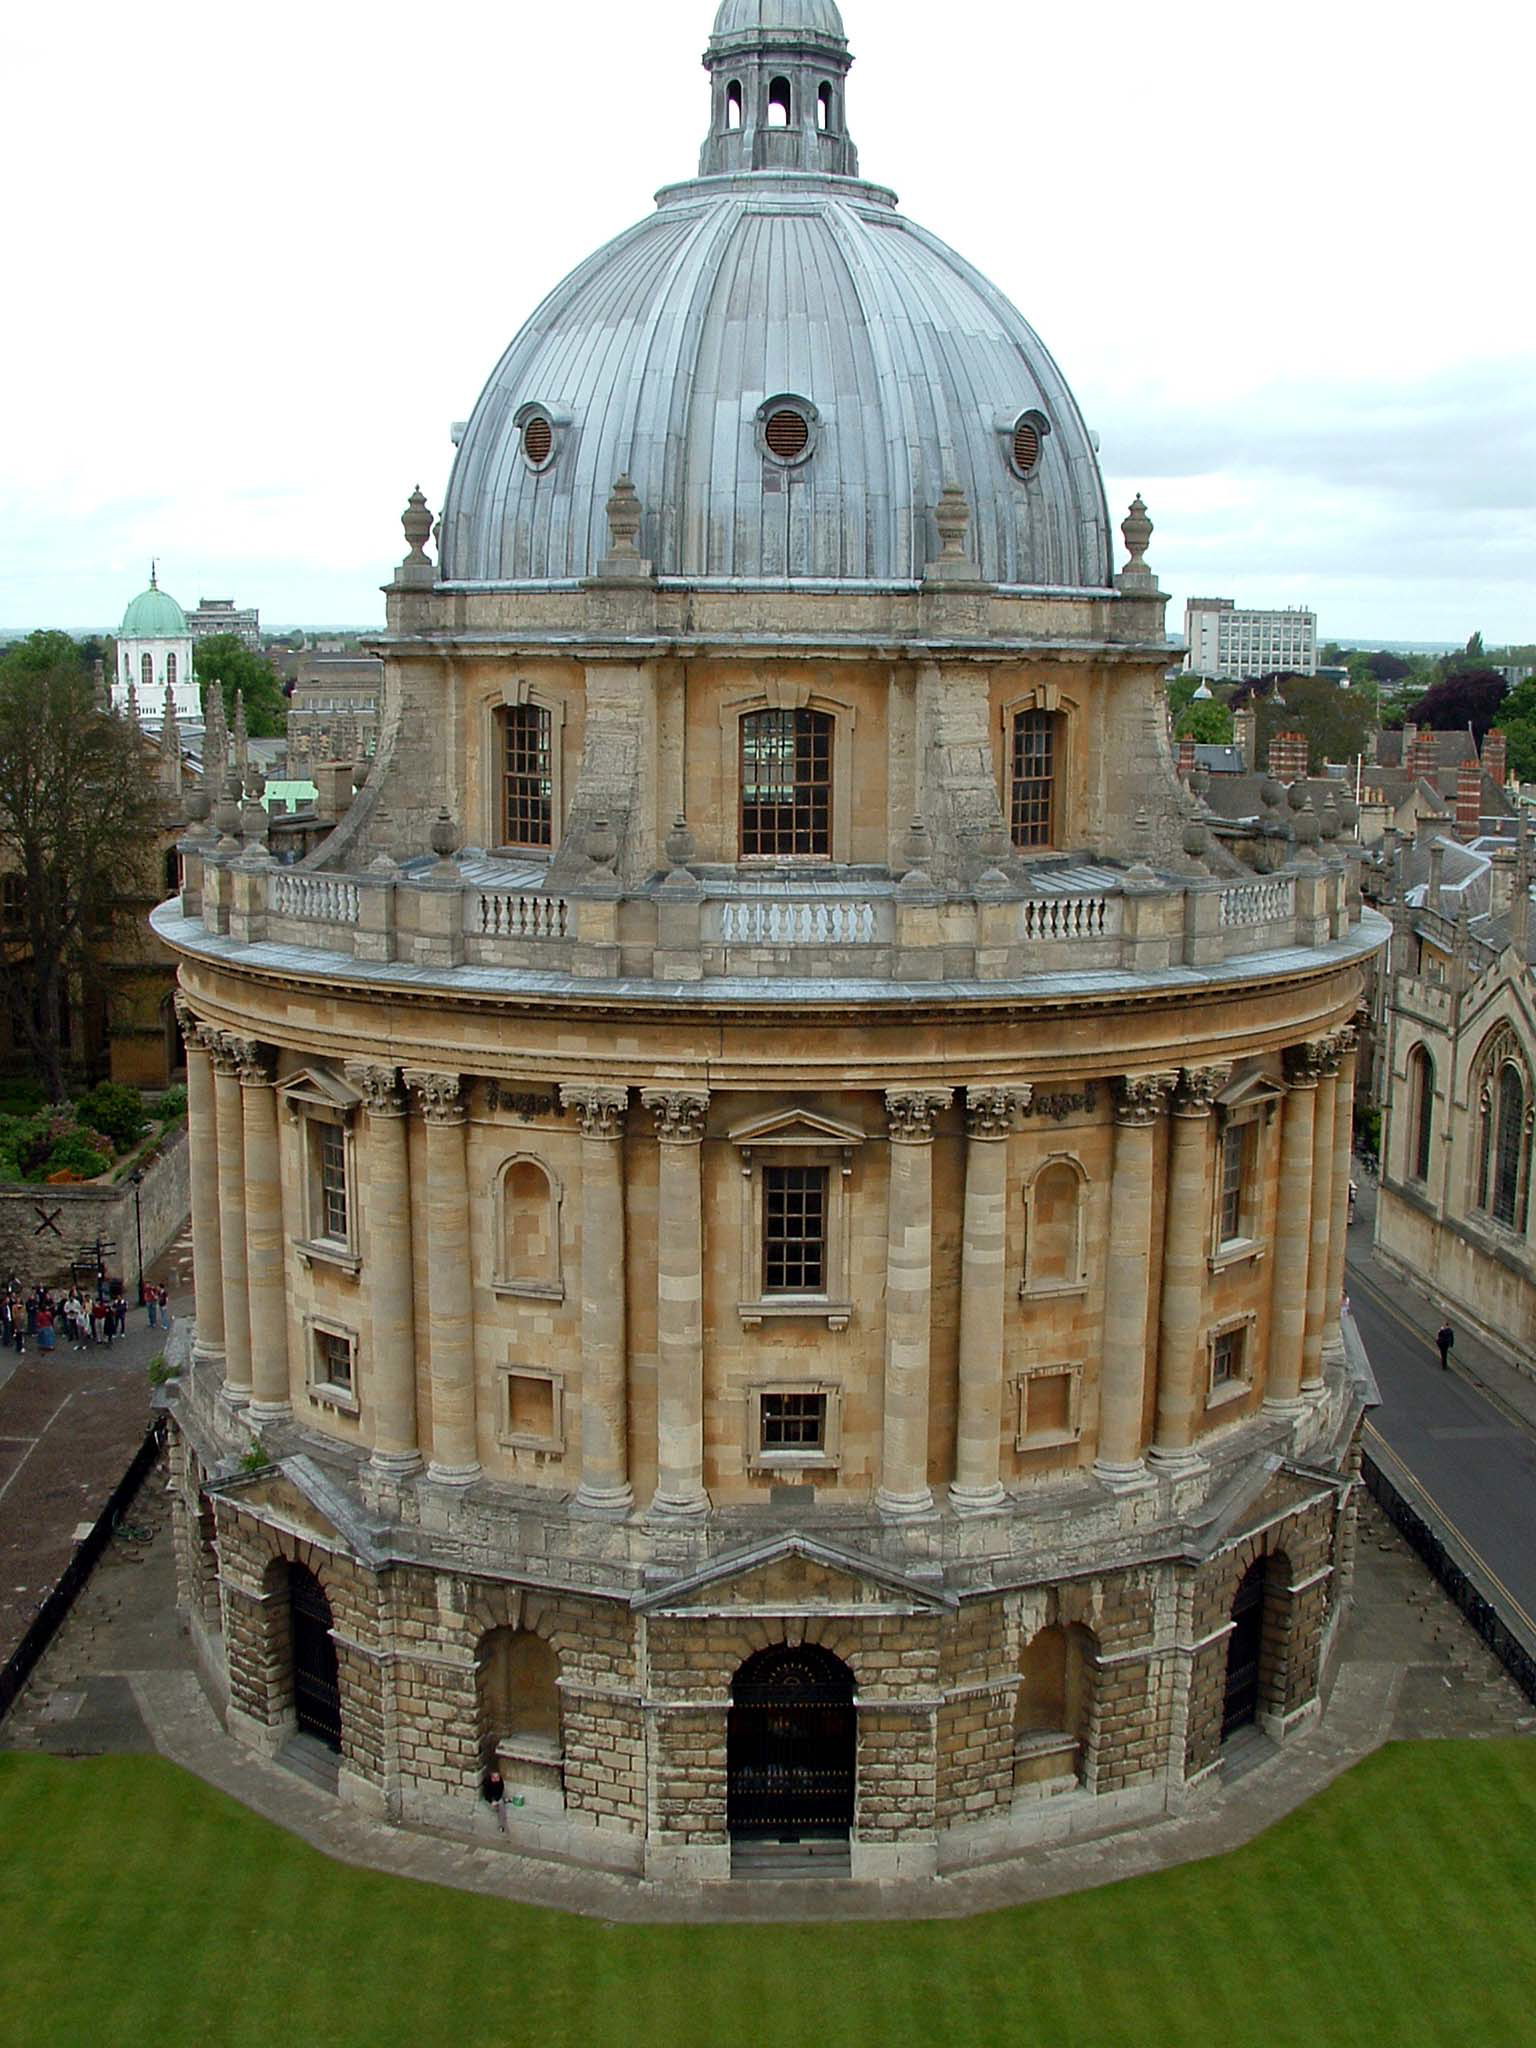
(137, 1905)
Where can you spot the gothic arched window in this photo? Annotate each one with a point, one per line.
(1503, 1139)
(1421, 1099)
(1509, 1150)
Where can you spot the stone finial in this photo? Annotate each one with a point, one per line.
(170, 746)
(952, 517)
(416, 521)
(226, 814)
(602, 844)
(444, 841)
(625, 517)
(198, 807)
(1137, 529)
(680, 844)
(133, 702)
(215, 736)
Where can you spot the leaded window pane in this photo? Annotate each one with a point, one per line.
(1506, 1166)
(1034, 778)
(794, 1422)
(786, 785)
(794, 1229)
(333, 1182)
(528, 789)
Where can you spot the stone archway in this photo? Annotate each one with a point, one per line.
(791, 1746)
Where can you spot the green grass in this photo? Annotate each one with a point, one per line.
(137, 1905)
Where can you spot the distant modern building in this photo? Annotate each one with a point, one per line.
(154, 652)
(1226, 642)
(222, 615)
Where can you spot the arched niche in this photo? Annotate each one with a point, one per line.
(1055, 1228)
(1052, 1708)
(529, 1199)
(517, 1695)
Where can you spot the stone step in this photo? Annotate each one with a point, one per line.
(307, 1757)
(755, 1858)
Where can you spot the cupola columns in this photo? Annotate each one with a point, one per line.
(778, 91)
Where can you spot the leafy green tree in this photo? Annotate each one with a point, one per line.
(1209, 724)
(224, 658)
(1466, 696)
(1474, 649)
(79, 823)
(1387, 668)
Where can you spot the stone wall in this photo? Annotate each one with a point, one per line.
(42, 1227)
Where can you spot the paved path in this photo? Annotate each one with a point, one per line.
(1467, 1436)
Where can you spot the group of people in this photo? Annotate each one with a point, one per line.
(77, 1316)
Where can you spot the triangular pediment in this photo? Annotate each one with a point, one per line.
(791, 1574)
(1249, 1090)
(313, 1085)
(795, 1126)
(293, 1494)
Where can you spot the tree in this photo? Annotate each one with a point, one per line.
(1517, 722)
(1387, 668)
(1475, 650)
(1465, 697)
(1209, 724)
(1337, 723)
(79, 823)
(224, 658)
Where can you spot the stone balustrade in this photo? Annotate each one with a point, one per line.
(1087, 920)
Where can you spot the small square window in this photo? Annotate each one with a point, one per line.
(1231, 1363)
(532, 1414)
(794, 1422)
(333, 1360)
(1050, 1401)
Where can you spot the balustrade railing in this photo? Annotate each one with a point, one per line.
(315, 899)
(763, 922)
(509, 914)
(1254, 903)
(1045, 918)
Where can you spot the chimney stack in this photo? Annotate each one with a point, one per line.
(1288, 756)
(1469, 799)
(1436, 871)
(1245, 735)
(1422, 759)
(1186, 761)
(1496, 757)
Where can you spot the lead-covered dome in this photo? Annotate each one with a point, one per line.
(153, 615)
(789, 371)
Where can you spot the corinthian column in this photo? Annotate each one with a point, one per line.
(203, 1173)
(1321, 1216)
(605, 1487)
(391, 1356)
(904, 1490)
(1186, 1239)
(1139, 1100)
(1293, 1230)
(230, 1121)
(679, 1118)
(450, 1299)
(989, 1122)
(263, 1234)
(1343, 1145)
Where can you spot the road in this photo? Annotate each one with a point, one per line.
(1461, 1435)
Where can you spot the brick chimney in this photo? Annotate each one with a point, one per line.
(1245, 735)
(1288, 756)
(1423, 756)
(1469, 799)
(1496, 757)
(1186, 761)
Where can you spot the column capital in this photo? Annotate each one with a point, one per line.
(1142, 1098)
(1346, 1041)
(440, 1097)
(679, 1113)
(601, 1110)
(1306, 1063)
(1199, 1088)
(254, 1062)
(910, 1113)
(193, 1029)
(378, 1086)
(990, 1112)
(220, 1048)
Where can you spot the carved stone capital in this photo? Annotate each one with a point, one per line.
(439, 1097)
(679, 1113)
(378, 1086)
(993, 1112)
(1199, 1088)
(1305, 1063)
(1142, 1098)
(601, 1110)
(1347, 1040)
(193, 1030)
(254, 1062)
(910, 1113)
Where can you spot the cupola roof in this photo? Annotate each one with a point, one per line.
(153, 615)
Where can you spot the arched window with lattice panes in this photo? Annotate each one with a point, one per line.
(146, 673)
(1503, 1136)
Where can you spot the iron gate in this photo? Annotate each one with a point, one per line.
(1240, 1707)
(791, 1742)
(316, 1687)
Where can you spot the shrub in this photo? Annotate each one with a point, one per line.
(117, 1112)
(73, 1158)
(172, 1105)
(19, 1099)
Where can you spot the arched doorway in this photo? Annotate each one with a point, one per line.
(316, 1685)
(791, 1740)
(1240, 1704)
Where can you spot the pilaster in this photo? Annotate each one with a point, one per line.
(904, 1491)
(1293, 1230)
(679, 1115)
(605, 1487)
(455, 1459)
(1186, 1236)
(270, 1399)
(1139, 1103)
(386, 1210)
(230, 1121)
(990, 1117)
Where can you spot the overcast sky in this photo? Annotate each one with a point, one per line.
(260, 258)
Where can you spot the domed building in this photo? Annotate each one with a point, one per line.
(770, 1203)
(154, 654)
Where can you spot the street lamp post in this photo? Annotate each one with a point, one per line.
(138, 1231)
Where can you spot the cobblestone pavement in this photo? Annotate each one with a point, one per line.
(120, 1677)
(70, 1422)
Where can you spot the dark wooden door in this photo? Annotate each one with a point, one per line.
(791, 1743)
(316, 1688)
(1240, 1707)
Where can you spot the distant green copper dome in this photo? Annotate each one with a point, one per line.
(153, 615)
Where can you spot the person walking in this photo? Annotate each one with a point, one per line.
(1445, 1339)
(494, 1793)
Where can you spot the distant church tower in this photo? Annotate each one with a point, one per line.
(154, 649)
